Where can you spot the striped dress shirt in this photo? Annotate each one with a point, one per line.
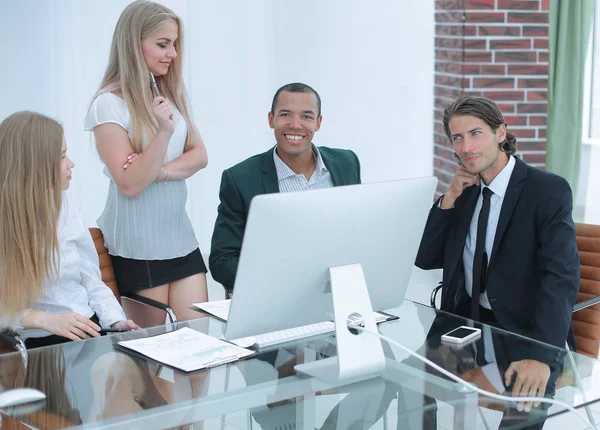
(290, 181)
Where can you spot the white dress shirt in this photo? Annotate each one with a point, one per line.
(290, 181)
(79, 287)
(498, 187)
(491, 369)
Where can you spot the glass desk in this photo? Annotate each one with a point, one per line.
(90, 383)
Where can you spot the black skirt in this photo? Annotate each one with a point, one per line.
(135, 275)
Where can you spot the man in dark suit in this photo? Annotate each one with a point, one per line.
(504, 235)
(294, 164)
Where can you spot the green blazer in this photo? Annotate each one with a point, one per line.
(240, 183)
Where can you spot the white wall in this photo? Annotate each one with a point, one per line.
(372, 63)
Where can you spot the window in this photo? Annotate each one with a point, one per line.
(587, 204)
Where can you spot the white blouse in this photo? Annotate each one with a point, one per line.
(79, 287)
(154, 225)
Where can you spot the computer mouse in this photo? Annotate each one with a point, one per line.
(20, 396)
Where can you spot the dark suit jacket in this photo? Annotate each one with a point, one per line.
(254, 176)
(533, 273)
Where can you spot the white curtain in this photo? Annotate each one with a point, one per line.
(371, 62)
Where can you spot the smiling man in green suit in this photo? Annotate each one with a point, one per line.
(294, 164)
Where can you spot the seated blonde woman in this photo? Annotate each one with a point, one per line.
(50, 284)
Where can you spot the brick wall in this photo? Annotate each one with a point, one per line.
(496, 49)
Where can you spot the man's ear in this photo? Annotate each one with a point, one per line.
(319, 119)
(501, 134)
(271, 120)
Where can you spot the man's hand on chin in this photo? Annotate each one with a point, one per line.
(531, 379)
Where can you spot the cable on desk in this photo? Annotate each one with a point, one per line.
(471, 386)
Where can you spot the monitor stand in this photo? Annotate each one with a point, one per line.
(358, 355)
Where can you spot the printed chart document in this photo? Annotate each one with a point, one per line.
(187, 349)
(218, 308)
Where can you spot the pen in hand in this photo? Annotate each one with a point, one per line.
(113, 330)
(155, 89)
(154, 86)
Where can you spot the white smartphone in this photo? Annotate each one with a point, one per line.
(461, 335)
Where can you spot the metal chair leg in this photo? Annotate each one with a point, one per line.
(579, 385)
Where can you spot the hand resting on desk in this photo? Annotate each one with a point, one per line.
(69, 324)
(530, 381)
(125, 325)
(66, 324)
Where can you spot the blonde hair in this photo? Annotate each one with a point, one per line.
(30, 202)
(128, 73)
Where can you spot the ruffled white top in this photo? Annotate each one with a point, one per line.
(154, 225)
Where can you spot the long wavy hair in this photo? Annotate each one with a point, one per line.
(128, 73)
(30, 203)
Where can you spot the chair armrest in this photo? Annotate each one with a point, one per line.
(9, 337)
(151, 302)
(586, 304)
(12, 338)
(434, 294)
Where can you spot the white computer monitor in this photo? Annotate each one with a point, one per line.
(292, 239)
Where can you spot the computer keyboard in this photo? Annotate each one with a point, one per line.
(281, 336)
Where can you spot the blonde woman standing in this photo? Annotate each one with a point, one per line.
(50, 284)
(150, 146)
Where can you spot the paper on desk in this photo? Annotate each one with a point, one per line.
(244, 342)
(187, 349)
(218, 308)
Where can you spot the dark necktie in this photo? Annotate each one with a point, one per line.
(480, 259)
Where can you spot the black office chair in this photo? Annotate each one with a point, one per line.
(10, 341)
